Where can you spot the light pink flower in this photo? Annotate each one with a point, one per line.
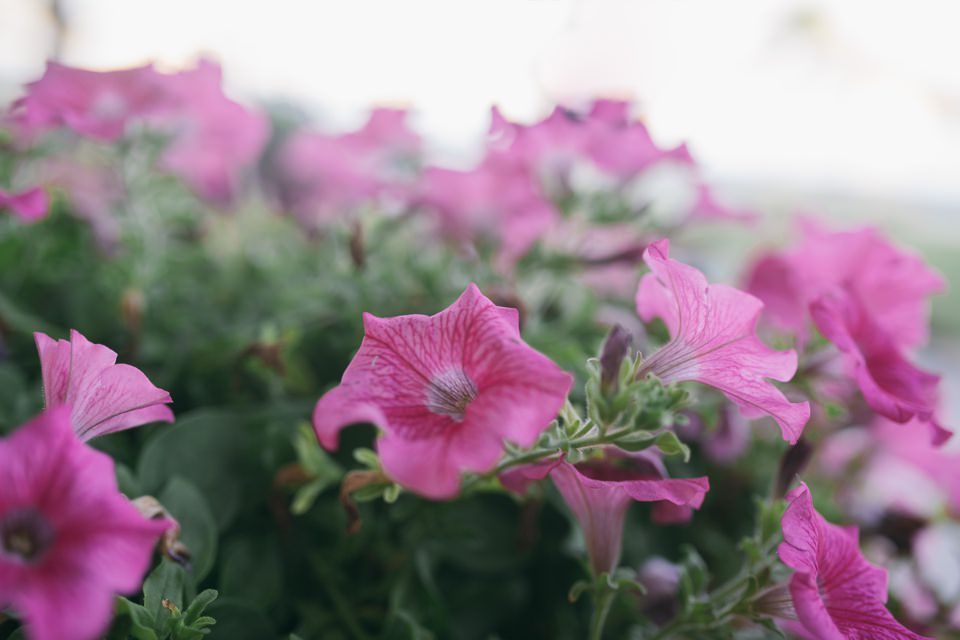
(29, 206)
(103, 396)
(891, 385)
(96, 104)
(837, 593)
(894, 285)
(598, 492)
(93, 189)
(69, 541)
(496, 202)
(446, 391)
(325, 177)
(713, 341)
(215, 140)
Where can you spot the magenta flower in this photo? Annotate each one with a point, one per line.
(29, 206)
(713, 341)
(325, 177)
(446, 391)
(497, 202)
(95, 104)
(891, 385)
(69, 541)
(599, 492)
(894, 286)
(214, 138)
(837, 593)
(103, 396)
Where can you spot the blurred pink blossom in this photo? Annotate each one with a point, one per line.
(29, 206)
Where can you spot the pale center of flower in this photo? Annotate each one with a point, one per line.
(449, 393)
(25, 534)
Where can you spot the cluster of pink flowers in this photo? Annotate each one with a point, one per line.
(69, 540)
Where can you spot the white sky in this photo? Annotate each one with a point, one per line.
(849, 96)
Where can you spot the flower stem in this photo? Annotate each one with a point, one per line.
(603, 597)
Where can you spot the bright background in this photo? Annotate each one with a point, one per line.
(849, 108)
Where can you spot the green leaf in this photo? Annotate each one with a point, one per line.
(196, 608)
(166, 582)
(313, 458)
(670, 445)
(252, 556)
(198, 531)
(140, 620)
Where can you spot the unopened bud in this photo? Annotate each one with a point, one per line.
(170, 544)
(615, 348)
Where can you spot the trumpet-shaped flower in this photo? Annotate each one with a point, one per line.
(446, 391)
(837, 593)
(103, 396)
(713, 341)
(599, 492)
(69, 541)
(29, 206)
(893, 285)
(891, 384)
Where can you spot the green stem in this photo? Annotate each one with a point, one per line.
(603, 597)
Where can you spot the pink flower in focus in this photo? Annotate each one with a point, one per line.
(446, 391)
(96, 104)
(598, 492)
(496, 201)
(837, 593)
(214, 138)
(893, 285)
(327, 176)
(103, 396)
(69, 541)
(891, 385)
(713, 341)
(29, 206)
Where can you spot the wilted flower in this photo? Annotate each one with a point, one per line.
(891, 385)
(29, 206)
(837, 593)
(103, 396)
(713, 341)
(446, 391)
(69, 541)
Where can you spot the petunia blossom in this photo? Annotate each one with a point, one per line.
(324, 177)
(894, 285)
(214, 138)
(495, 202)
(29, 206)
(446, 391)
(837, 593)
(713, 341)
(599, 492)
(95, 104)
(69, 541)
(891, 384)
(103, 396)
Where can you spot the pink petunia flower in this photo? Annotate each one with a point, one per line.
(214, 138)
(891, 385)
(328, 176)
(600, 491)
(496, 201)
(713, 341)
(446, 391)
(103, 396)
(96, 104)
(29, 206)
(837, 593)
(893, 285)
(69, 541)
